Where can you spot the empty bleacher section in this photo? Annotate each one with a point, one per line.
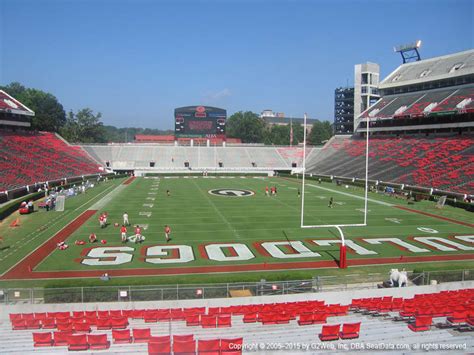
(445, 163)
(438, 68)
(168, 157)
(393, 317)
(29, 157)
(423, 103)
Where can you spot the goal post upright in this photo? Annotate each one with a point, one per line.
(338, 227)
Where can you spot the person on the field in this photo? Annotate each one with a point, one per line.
(138, 234)
(102, 221)
(123, 233)
(330, 205)
(275, 190)
(272, 189)
(299, 193)
(168, 193)
(105, 214)
(125, 219)
(167, 233)
(30, 206)
(92, 238)
(266, 191)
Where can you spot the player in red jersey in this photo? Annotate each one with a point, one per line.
(167, 233)
(123, 232)
(266, 191)
(102, 221)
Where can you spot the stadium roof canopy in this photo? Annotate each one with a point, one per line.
(11, 105)
(438, 68)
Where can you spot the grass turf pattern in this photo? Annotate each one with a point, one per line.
(197, 218)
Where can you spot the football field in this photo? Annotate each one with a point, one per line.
(227, 225)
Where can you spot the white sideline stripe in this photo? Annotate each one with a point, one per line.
(351, 195)
(107, 198)
(52, 223)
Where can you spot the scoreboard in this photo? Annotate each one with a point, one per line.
(199, 122)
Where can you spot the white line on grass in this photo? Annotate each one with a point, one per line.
(351, 195)
(52, 223)
(217, 211)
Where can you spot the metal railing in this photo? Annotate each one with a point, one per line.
(207, 291)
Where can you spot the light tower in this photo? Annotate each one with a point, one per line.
(409, 52)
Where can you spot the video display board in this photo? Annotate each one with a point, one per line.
(200, 122)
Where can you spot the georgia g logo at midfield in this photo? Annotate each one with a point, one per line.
(231, 192)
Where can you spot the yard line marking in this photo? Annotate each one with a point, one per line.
(436, 216)
(107, 198)
(37, 233)
(52, 223)
(353, 196)
(217, 211)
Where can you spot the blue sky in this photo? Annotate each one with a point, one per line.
(135, 61)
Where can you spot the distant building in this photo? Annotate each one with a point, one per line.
(270, 113)
(278, 119)
(344, 111)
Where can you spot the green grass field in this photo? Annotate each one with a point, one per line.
(198, 218)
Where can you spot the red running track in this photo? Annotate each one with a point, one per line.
(24, 267)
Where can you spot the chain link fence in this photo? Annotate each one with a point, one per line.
(207, 291)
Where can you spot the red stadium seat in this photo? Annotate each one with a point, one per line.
(48, 323)
(330, 332)
(98, 341)
(159, 348)
(421, 323)
(305, 319)
(103, 324)
(81, 327)
(192, 320)
(33, 324)
(250, 318)
(77, 342)
(42, 339)
(121, 336)
(186, 337)
(187, 347)
(159, 338)
(231, 346)
(61, 338)
(209, 347)
(64, 327)
(115, 313)
(208, 321)
(224, 321)
(119, 323)
(141, 335)
(350, 331)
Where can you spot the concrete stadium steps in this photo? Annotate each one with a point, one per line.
(373, 330)
(123, 156)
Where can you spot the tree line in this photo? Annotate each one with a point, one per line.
(250, 128)
(85, 126)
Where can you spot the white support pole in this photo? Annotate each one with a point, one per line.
(343, 240)
(366, 172)
(304, 171)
